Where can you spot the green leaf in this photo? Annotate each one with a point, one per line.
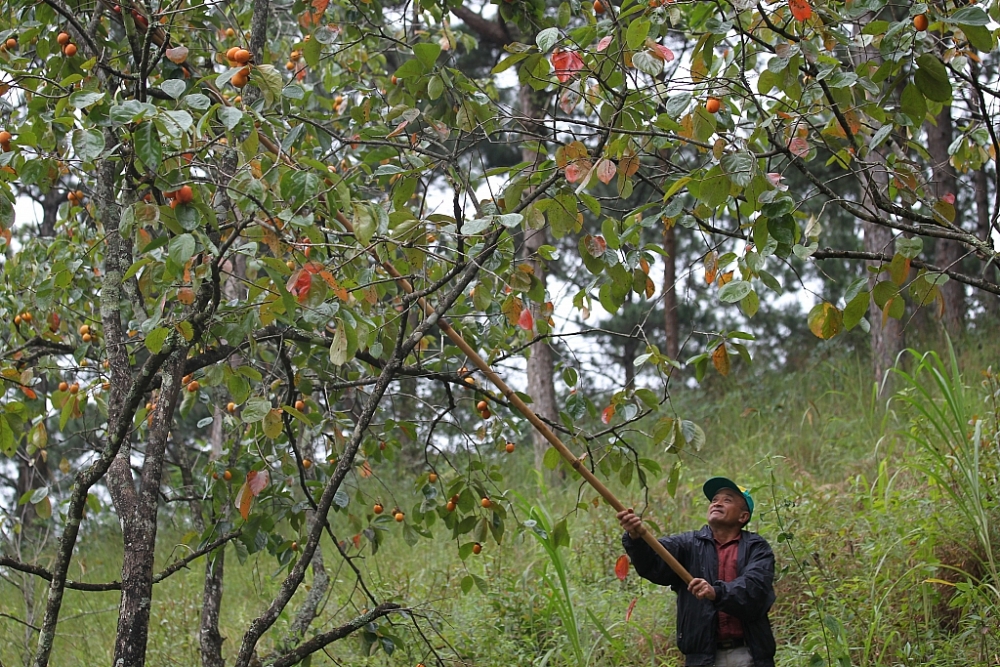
(636, 34)
(883, 292)
(734, 291)
(363, 222)
(704, 123)
(85, 98)
(230, 116)
(647, 397)
(272, 424)
(739, 167)
(546, 39)
(750, 304)
(239, 388)
(693, 434)
(312, 50)
(980, 37)
(147, 145)
(646, 62)
(551, 458)
(156, 338)
(856, 309)
(269, 81)
(913, 104)
(44, 508)
(435, 87)
(427, 53)
(88, 144)
(771, 282)
(181, 248)
(909, 247)
(8, 443)
(714, 188)
(932, 78)
(39, 494)
(255, 410)
(410, 69)
(968, 16)
(677, 104)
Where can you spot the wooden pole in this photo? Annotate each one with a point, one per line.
(528, 413)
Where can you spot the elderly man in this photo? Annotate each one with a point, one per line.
(722, 613)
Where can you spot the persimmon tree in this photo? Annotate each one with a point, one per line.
(214, 308)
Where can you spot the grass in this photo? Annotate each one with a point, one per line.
(879, 563)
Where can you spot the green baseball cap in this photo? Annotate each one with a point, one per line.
(716, 484)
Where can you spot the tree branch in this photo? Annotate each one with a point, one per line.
(491, 32)
(979, 283)
(296, 655)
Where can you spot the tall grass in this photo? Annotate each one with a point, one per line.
(867, 504)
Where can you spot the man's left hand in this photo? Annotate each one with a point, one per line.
(701, 589)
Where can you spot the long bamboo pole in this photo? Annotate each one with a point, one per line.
(543, 428)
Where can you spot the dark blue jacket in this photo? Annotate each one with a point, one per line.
(748, 597)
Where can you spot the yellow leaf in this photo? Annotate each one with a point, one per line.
(720, 359)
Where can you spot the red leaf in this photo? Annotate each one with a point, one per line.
(608, 414)
(948, 198)
(799, 147)
(398, 131)
(257, 481)
(177, 55)
(631, 606)
(662, 52)
(603, 44)
(526, 321)
(576, 170)
(299, 284)
(566, 64)
(596, 245)
(801, 9)
(29, 392)
(357, 541)
(606, 170)
(621, 567)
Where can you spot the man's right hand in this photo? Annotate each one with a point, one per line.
(631, 523)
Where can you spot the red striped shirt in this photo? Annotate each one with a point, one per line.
(730, 627)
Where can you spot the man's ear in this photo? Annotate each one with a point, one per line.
(743, 521)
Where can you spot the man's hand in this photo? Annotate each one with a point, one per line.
(701, 589)
(631, 523)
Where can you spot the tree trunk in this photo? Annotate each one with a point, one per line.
(671, 325)
(990, 302)
(209, 638)
(139, 526)
(947, 253)
(541, 369)
(887, 339)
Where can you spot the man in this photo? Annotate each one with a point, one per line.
(722, 613)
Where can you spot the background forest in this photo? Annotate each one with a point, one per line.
(269, 268)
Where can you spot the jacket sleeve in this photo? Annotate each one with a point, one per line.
(751, 594)
(650, 566)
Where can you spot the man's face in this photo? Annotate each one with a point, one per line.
(727, 508)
